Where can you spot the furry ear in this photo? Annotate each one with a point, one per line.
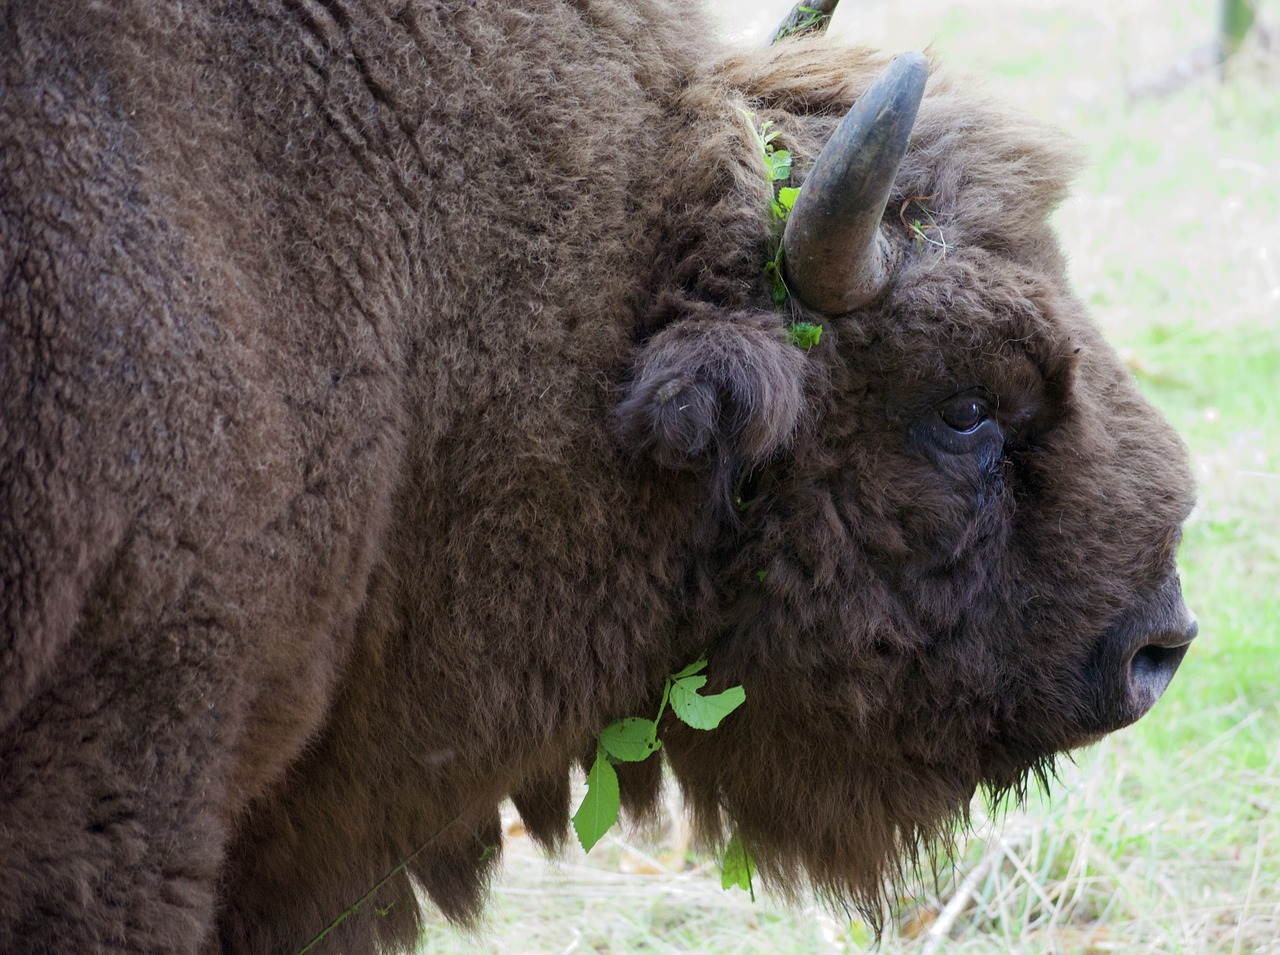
(731, 388)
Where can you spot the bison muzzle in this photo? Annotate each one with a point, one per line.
(392, 396)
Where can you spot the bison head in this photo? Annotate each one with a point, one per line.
(953, 552)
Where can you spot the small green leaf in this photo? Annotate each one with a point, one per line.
(761, 575)
(697, 666)
(630, 740)
(599, 809)
(787, 197)
(703, 712)
(689, 684)
(779, 165)
(737, 868)
(779, 287)
(804, 334)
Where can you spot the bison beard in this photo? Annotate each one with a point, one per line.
(374, 382)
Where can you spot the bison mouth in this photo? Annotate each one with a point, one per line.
(1130, 665)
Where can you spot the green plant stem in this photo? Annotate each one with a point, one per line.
(662, 708)
(354, 906)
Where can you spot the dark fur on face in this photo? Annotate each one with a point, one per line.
(374, 383)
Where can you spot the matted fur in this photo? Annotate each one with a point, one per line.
(374, 381)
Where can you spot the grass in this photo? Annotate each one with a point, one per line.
(1164, 838)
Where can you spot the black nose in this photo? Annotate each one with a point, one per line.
(1153, 664)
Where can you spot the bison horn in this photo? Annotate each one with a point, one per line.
(807, 16)
(836, 258)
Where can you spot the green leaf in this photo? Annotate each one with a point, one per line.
(804, 334)
(599, 809)
(703, 712)
(779, 165)
(689, 684)
(631, 740)
(779, 287)
(787, 197)
(696, 666)
(737, 868)
(761, 575)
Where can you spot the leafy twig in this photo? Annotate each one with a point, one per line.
(634, 739)
(777, 163)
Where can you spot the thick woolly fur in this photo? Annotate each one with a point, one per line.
(375, 380)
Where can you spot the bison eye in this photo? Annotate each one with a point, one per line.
(963, 414)
(964, 424)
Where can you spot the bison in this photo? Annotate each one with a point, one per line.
(394, 393)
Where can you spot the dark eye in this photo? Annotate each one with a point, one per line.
(963, 414)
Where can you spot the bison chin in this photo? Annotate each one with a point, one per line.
(842, 819)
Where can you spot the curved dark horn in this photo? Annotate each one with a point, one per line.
(807, 16)
(835, 256)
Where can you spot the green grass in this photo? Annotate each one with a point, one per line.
(1165, 837)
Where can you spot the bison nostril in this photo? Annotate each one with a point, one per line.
(1151, 668)
(1153, 660)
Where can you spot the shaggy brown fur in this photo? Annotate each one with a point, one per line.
(373, 379)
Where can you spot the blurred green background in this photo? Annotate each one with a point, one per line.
(1165, 837)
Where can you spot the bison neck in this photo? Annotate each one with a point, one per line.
(472, 287)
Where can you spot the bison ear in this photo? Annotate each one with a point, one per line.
(713, 391)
